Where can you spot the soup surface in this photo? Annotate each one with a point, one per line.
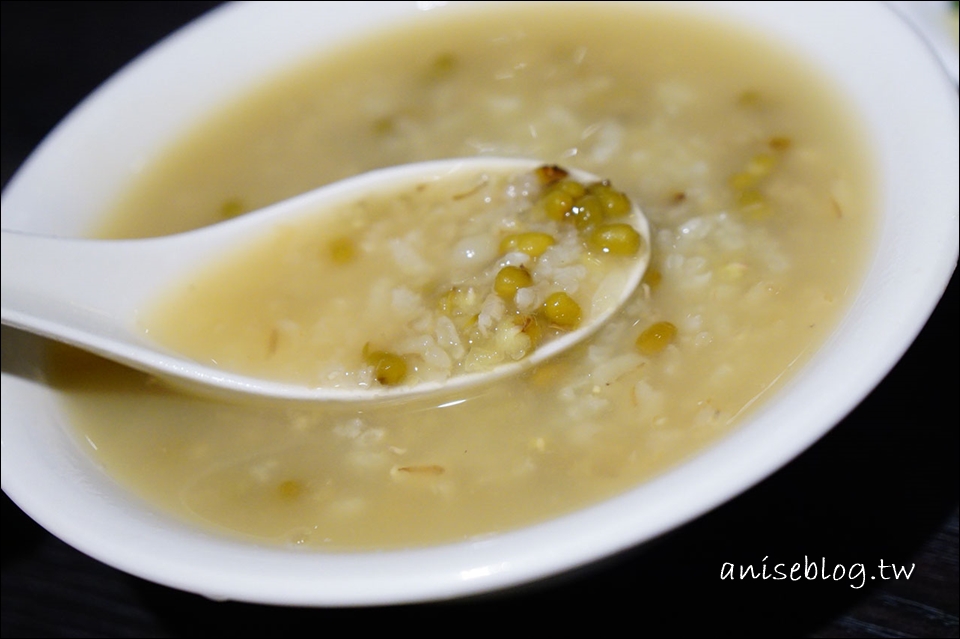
(750, 168)
(444, 280)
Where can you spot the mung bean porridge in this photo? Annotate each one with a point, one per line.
(752, 171)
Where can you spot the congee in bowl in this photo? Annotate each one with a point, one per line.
(752, 169)
(761, 183)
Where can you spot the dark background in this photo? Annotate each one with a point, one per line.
(882, 485)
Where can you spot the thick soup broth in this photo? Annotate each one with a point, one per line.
(442, 281)
(750, 169)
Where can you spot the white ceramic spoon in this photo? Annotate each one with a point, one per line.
(88, 293)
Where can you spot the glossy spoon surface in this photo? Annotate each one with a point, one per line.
(93, 294)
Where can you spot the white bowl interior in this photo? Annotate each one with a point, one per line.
(909, 107)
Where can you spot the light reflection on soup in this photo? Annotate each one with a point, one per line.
(757, 186)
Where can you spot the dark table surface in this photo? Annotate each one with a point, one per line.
(883, 485)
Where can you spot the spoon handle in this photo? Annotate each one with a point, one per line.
(77, 290)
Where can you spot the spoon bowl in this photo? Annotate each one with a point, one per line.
(93, 293)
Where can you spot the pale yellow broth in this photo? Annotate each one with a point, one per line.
(752, 171)
(411, 274)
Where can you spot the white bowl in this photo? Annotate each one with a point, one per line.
(905, 99)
